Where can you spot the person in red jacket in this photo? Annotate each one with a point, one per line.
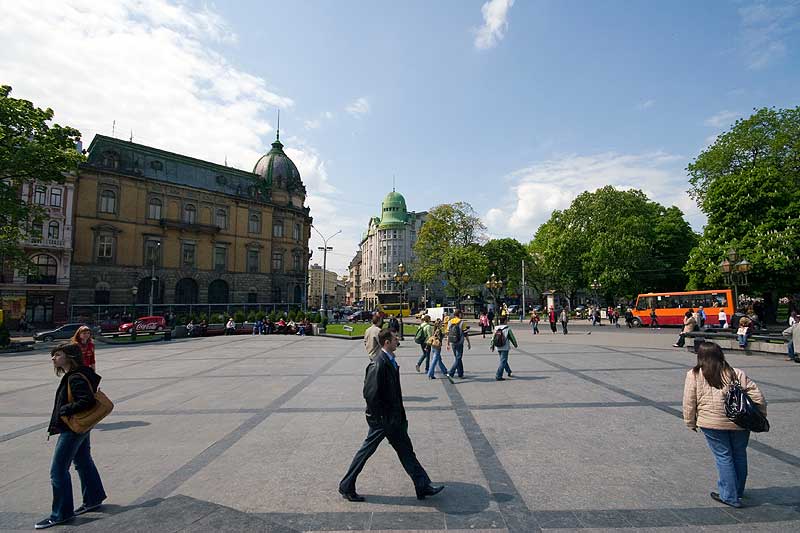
(83, 338)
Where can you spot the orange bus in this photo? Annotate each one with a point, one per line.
(671, 306)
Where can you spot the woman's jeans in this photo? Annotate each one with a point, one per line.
(437, 361)
(426, 356)
(742, 340)
(73, 448)
(503, 364)
(458, 365)
(535, 327)
(681, 340)
(730, 452)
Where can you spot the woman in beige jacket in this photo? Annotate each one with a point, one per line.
(689, 325)
(704, 407)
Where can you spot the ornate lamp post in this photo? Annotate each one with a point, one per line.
(155, 254)
(735, 270)
(401, 277)
(134, 292)
(494, 285)
(596, 286)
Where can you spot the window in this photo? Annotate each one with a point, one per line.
(105, 247)
(108, 201)
(152, 252)
(37, 231)
(189, 214)
(252, 261)
(154, 209)
(296, 262)
(277, 262)
(188, 255)
(55, 197)
(277, 228)
(40, 195)
(296, 232)
(222, 218)
(254, 223)
(53, 231)
(252, 297)
(220, 257)
(44, 269)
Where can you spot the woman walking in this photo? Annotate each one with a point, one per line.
(435, 341)
(79, 382)
(484, 322)
(534, 321)
(551, 315)
(704, 407)
(502, 339)
(83, 338)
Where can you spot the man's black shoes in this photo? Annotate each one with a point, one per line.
(83, 509)
(430, 490)
(49, 522)
(352, 496)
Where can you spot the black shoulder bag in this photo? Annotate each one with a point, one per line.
(743, 411)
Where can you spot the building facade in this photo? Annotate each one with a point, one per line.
(389, 241)
(152, 223)
(315, 274)
(354, 280)
(41, 295)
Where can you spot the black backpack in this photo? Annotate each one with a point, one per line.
(454, 334)
(499, 338)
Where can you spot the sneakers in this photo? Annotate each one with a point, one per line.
(715, 496)
(509, 374)
(417, 367)
(676, 345)
(49, 522)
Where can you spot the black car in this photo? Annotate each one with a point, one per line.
(359, 316)
(64, 332)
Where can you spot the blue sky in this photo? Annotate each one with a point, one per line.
(515, 107)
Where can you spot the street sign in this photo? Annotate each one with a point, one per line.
(347, 328)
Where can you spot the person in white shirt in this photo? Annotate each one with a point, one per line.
(723, 318)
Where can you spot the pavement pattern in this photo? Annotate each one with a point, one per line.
(253, 434)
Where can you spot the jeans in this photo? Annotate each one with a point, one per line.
(681, 340)
(458, 365)
(426, 356)
(564, 326)
(535, 328)
(730, 453)
(790, 349)
(73, 448)
(437, 361)
(503, 364)
(742, 340)
(722, 323)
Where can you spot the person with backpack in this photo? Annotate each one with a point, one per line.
(502, 339)
(421, 337)
(456, 335)
(435, 342)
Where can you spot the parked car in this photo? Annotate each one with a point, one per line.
(360, 316)
(64, 332)
(145, 323)
(109, 324)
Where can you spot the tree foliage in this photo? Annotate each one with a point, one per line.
(622, 239)
(748, 184)
(30, 149)
(504, 259)
(448, 248)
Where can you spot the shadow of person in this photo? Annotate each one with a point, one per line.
(788, 496)
(419, 398)
(111, 426)
(457, 498)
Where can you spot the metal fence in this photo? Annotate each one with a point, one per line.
(98, 313)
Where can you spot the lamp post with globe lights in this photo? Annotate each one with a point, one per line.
(401, 277)
(735, 270)
(494, 285)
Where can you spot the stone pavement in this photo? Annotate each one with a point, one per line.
(253, 434)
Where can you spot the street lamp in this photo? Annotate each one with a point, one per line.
(596, 286)
(735, 270)
(134, 292)
(325, 249)
(154, 252)
(401, 277)
(494, 285)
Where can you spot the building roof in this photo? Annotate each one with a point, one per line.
(393, 211)
(277, 169)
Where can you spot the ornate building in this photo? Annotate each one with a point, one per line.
(389, 241)
(354, 280)
(41, 295)
(207, 233)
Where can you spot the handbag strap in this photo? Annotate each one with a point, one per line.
(69, 389)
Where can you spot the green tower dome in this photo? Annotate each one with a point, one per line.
(393, 211)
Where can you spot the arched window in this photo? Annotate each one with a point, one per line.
(222, 218)
(53, 230)
(277, 228)
(296, 232)
(111, 159)
(154, 209)
(45, 269)
(189, 214)
(254, 223)
(108, 201)
(218, 292)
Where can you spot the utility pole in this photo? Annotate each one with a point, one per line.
(153, 275)
(524, 309)
(325, 249)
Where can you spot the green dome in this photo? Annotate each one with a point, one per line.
(393, 211)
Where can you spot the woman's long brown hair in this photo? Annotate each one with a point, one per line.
(711, 360)
(77, 337)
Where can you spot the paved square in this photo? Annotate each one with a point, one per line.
(253, 433)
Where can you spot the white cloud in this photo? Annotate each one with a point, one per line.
(534, 192)
(358, 107)
(312, 124)
(723, 119)
(149, 65)
(495, 23)
(765, 32)
(328, 115)
(647, 104)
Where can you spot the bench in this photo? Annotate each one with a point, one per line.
(759, 342)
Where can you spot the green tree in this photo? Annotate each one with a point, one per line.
(30, 149)
(504, 258)
(748, 184)
(448, 248)
(622, 239)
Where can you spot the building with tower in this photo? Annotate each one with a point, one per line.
(155, 224)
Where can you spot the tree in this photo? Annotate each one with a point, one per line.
(504, 258)
(622, 239)
(448, 248)
(30, 149)
(748, 184)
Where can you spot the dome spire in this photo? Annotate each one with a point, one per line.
(278, 138)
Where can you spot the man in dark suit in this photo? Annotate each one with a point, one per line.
(386, 418)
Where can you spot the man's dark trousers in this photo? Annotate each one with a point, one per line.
(397, 434)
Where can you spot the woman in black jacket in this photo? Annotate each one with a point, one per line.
(72, 447)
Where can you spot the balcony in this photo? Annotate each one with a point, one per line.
(41, 242)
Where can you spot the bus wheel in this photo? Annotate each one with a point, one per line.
(636, 323)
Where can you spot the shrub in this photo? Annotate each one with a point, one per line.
(260, 315)
(292, 315)
(251, 316)
(324, 322)
(238, 317)
(202, 317)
